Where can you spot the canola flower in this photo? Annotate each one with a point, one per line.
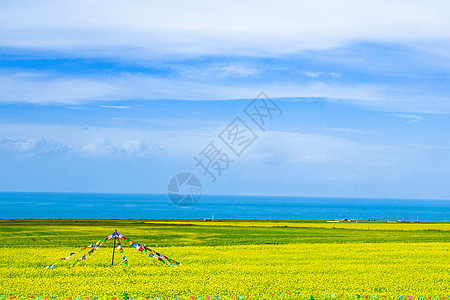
(294, 271)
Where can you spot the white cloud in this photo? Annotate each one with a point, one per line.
(236, 70)
(140, 148)
(271, 147)
(101, 147)
(218, 27)
(322, 74)
(104, 147)
(177, 142)
(335, 75)
(312, 74)
(218, 71)
(33, 147)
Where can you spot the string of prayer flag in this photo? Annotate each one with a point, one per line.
(139, 247)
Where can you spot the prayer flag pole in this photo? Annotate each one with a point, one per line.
(114, 248)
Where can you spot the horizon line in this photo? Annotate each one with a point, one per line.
(229, 195)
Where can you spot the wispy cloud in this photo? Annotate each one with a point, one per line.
(348, 130)
(79, 90)
(431, 147)
(283, 147)
(56, 90)
(217, 71)
(322, 74)
(219, 27)
(411, 118)
(116, 106)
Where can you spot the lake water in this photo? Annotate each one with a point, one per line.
(135, 206)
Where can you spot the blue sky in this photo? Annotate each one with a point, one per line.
(111, 98)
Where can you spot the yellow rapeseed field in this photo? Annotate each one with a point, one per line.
(260, 271)
(350, 269)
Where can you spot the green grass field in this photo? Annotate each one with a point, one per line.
(229, 259)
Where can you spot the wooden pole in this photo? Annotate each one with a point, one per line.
(114, 248)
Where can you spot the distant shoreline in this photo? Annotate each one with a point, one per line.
(225, 222)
